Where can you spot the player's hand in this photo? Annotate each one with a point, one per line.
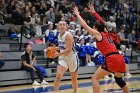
(91, 8)
(75, 11)
(34, 69)
(56, 54)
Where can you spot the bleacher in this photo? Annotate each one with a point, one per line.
(11, 73)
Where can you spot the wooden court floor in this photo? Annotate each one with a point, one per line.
(107, 86)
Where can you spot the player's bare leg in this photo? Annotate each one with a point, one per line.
(74, 76)
(60, 72)
(100, 73)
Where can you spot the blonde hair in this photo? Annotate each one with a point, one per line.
(122, 46)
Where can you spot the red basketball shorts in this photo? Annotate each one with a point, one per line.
(114, 63)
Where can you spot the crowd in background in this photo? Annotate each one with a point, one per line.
(39, 18)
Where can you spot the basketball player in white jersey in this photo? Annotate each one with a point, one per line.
(68, 58)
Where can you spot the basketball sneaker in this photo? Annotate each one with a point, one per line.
(44, 83)
(36, 83)
(128, 75)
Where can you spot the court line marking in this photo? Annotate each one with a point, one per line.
(69, 86)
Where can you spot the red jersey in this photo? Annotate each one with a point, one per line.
(106, 45)
(113, 63)
(115, 37)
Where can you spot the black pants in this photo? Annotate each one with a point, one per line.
(32, 72)
(83, 61)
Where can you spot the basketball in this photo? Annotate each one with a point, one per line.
(50, 52)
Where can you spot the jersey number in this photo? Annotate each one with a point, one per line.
(62, 47)
(109, 39)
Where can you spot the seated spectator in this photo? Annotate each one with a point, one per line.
(133, 21)
(28, 25)
(78, 34)
(38, 28)
(28, 60)
(84, 35)
(56, 33)
(42, 8)
(17, 16)
(91, 48)
(72, 28)
(81, 48)
(50, 16)
(2, 6)
(58, 16)
(105, 9)
(26, 9)
(20, 3)
(132, 39)
(1, 61)
(123, 39)
(50, 34)
(10, 8)
(63, 7)
(111, 24)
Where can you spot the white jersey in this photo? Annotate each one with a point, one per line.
(62, 42)
(70, 61)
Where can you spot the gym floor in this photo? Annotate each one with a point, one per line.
(85, 86)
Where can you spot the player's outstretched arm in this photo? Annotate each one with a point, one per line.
(91, 9)
(85, 26)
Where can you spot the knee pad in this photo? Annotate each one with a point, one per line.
(121, 83)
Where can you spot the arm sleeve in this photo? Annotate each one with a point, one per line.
(23, 58)
(98, 17)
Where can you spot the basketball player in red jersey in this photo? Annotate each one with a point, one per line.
(113, 34)
(114, 62)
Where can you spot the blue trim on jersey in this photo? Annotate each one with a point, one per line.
(77, 62)
(73, 48)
